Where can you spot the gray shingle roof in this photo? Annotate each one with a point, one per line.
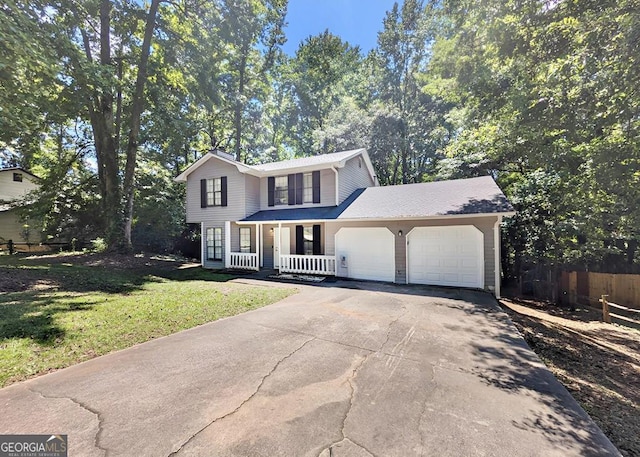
(441, 198)
(306, 161)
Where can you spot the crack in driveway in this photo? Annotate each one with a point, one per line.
(95, 412)
(354, 373)
(245, 401)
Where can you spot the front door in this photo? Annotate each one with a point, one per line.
(282, 248)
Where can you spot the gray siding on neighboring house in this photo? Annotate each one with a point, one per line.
(354, 175)
(236, 204)
(484, 224)
(327, 192)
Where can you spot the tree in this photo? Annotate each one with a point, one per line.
(409, 128)
(545, 102)
(321, 71)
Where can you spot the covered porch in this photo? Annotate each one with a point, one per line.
(286, 246)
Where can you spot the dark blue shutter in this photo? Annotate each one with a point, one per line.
(291, 187)
(271, 189)
(299, 187)
(317, 248)
(299, 240)
(203, 193)
(315, 180)
(223, 188)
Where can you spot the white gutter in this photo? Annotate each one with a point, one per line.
(337, 185)
(379, 219)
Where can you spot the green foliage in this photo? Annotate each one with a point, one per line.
(543, 96)
(546, 102)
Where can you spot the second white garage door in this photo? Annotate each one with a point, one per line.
(446, 256)
(369, 252)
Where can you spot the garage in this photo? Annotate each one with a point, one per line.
(446, 256)
(366, 253)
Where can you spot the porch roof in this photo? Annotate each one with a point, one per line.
(303, 214)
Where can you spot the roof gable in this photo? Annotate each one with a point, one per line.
(318, 162)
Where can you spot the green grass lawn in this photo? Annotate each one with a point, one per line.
(56, 311)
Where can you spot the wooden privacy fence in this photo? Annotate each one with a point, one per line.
(582, 287)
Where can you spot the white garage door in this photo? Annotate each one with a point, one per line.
(369, 253)
(446, 256)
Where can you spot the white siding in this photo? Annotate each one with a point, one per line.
(236, 204)
(484, 224)
(327, 192)
(10, 189)
(354, 175)
(252, 190)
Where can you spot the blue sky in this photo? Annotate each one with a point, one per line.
(355, 21)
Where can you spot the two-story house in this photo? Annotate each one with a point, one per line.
(15, 183)
(327, 215)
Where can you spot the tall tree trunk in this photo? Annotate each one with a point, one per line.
(137, 105)
(237, 118)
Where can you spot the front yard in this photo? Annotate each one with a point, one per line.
(59, 310)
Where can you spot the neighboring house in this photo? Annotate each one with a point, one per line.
(15, 183)
(326, 214)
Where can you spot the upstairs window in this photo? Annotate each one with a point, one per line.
(307, 191)
(281, 190)
(17, 177)
(294, 189)
(213, 192)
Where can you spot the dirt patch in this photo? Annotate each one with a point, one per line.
(598, 363)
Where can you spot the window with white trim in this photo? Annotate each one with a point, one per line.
(307, 191)
(281, 194)
(245, 239)
(214, 192)
(308, 240)
(214, 243)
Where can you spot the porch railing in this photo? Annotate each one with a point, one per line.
(308, 264)
(244, 261)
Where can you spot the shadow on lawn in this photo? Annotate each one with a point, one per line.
(31, 315)
(34, 290)
(76, 273)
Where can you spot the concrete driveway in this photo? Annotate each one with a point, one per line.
(351, 370)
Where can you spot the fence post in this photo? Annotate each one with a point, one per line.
(605, 310)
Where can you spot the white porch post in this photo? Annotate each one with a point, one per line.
(279, 246)
(227, 244)
(258, 242)
(496, 250)
(261, 251)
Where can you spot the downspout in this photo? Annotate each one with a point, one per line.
(203, 242)
(227, 244)
(496, 250)
(337, 185)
